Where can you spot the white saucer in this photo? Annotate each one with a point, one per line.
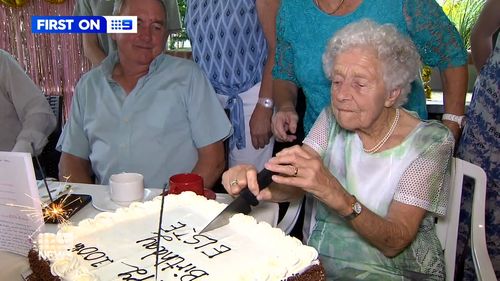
(104, 203)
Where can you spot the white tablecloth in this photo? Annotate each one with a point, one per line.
(13, 265)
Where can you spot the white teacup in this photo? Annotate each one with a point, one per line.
(126, 188)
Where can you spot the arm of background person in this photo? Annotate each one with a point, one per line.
(440, 45)
(482, 33)
(285, 118)
(454, 81)
(32, 109)
(74, 169)
(260, 122)
(92, 49)
(285, 88)
(211, 163)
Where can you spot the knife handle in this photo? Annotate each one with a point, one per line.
(263, 179)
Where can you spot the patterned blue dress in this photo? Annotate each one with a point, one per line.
(303, 31)
(480, 144)
(228, 43)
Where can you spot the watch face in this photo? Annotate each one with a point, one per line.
(356, 208)
(266, 102)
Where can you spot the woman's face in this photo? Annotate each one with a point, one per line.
(358, 90)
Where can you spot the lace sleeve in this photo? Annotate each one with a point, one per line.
(283, 67)
(436, 38)
(317, 138)
(425, 183)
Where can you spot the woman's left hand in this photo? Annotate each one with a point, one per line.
(302, 167)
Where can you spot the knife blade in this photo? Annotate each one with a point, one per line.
(240, 204)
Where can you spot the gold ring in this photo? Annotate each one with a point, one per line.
(233, 182)
(296, 171)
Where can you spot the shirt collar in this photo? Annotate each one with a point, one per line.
(108, 64)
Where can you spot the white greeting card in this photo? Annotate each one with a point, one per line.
(20, 210)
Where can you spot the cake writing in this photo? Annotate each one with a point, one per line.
(208, 246)
(91, 254)
(133, 275)
(168, 259)
(141, 274)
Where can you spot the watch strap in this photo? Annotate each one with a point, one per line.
(356, 210)
(459, 119)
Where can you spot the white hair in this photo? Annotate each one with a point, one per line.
(398, 55)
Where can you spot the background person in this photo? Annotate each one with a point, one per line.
(379, 173)
(143, 111)
(480, 142)
(97, 46)
(26, 119)
(234, 43)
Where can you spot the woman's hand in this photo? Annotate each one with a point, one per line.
(238, 177)
(285, 120)
(241, 176)
(302, 167)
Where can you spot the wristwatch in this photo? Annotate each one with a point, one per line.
(266, 102)
(459, 119)
(356, 210)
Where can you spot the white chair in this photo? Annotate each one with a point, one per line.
(482, 263)
(290, 218)
(447, 227)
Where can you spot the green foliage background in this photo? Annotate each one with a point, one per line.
(177, 40)
(464, 14)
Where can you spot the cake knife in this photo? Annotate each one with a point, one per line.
(242, 203)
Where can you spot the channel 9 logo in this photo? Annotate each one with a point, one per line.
(84, 24)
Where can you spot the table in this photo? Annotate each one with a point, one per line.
(13, 265)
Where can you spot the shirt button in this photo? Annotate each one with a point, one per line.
(125, 120)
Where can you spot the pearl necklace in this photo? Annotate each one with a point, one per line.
(334, 10)
(386, 137)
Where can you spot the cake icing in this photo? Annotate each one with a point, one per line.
(123, 245)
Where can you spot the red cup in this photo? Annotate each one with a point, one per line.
(186, 182)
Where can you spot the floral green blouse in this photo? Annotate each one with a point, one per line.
(416, 173)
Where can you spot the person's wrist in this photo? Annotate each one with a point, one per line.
(285, 108)
(23, 146)
(347, 209)
(457, 119)
(266, 102)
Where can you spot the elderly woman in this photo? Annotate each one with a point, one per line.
(380, 174)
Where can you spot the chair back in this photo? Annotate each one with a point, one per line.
(49, 158)
(447, 226)
(55, 103)
(482, 262)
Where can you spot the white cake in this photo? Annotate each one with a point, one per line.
(122, 246)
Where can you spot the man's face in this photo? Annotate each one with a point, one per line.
(150, 39)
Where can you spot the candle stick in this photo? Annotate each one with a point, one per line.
(163, 194)
(40, 169)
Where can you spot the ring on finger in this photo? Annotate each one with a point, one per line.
(233, 182)
(295, 171)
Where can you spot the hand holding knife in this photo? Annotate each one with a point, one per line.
(242, 203)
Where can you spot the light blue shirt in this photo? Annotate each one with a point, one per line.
(155, 130)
